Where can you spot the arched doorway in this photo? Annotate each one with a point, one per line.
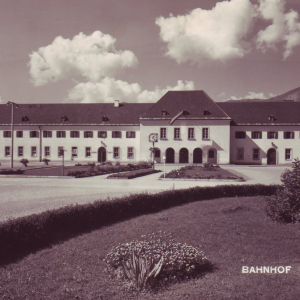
(101, 154)
(271, 156)
(157, 155)
(170, 153)
(197, 156)
(212, 156)
(183, 156)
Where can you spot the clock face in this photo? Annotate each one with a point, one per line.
(153, 137)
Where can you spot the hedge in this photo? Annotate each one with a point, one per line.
(25, 235)
(133, 174)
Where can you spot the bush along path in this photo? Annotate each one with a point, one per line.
(132, 174)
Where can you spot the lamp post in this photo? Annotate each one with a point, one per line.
(13, 104)
(164, 158)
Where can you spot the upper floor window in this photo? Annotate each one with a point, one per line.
(163, 133)
(34, 134)
(130, 134)
(240, 134)
(176, 133)
(47, 134)
(60, 134)
(117, 134)
(191, 134)
(6, 134)
(19, 134)
(205, 133)
(74, 134)
(289, 134)
(272, 135)
(88, 134)
(256, 134)
(102, 134)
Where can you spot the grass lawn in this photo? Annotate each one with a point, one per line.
(201, 172)
(133, 174)
(232, 232)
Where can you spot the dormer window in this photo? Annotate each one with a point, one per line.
(25, 119)
(63, 119)
(185, 112)
(271, 118)
(164, 113)
(206, 112)
(104, 118)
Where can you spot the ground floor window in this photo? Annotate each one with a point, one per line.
(130, 153)
(288, 154)
(116, 152)
(74, 152)
(240, 153)
(7, 151)
(47, 151)
(256, 153)
(20, 151)
(33, 151)
(60, 151)
(87, 151)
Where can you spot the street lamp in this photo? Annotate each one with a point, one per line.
(13, 104)
(164, 158)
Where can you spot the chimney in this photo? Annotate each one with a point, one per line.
(117, 103)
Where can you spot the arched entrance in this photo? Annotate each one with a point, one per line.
(212, 156)
(157, 155)
(271, 156)
(183, 156)
(170, 153)
(197, 156)
(101, 154)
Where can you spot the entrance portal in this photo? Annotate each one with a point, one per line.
(184, 156)
(197, 156)
(212, 156)
(101, 154)
(271, 156)
(170, 153)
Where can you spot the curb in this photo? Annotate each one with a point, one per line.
(34, 176)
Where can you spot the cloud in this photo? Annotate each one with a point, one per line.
(110, 89)
(216, 34)
(1, 100)
(285, 27)
(253, 95)
(92, 57)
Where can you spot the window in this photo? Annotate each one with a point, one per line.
(205, 133)
(87, 151)
(240, 134)
(33, 151)
(60, 134)
(255, 153)
(6, 134)
(288, 134)
(130, 134)
(116, 152)
(7, 151)
(74, 134)
(47, 134)
(272, 135)
(19, 134)
(47, 151)
(34, 134)
(256, 134)
(74, 152)
(163, 133)
(130, 154)
(240, 153)
(102, 134)
(60, 151)
(191, 133)
(176, 133)
(288, 154)
(117, 134)
(20, 151)
(88, 134)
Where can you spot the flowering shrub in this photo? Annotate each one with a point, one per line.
(179, 261)
(284, 206)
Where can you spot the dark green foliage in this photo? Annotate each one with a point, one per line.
(133, 174)
(284, 206)
(24, 161)
(11, 172)
(25, 235)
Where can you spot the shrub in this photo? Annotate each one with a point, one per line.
(46, 161)
(179, 261)
(284, 206)
(24, 161)
(117, 164)
(11, 172)
(133, 174)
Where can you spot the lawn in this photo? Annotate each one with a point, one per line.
(232, 232)
(201, 172)
(133, 174)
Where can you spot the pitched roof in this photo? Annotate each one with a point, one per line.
(76, 114)
(193, 102)
(243, 113)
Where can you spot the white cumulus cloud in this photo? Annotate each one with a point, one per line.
(110, 89)
(216, 34)
(92, 57)
(253, 95)
(285, 27)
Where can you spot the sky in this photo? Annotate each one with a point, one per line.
(90, 51)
